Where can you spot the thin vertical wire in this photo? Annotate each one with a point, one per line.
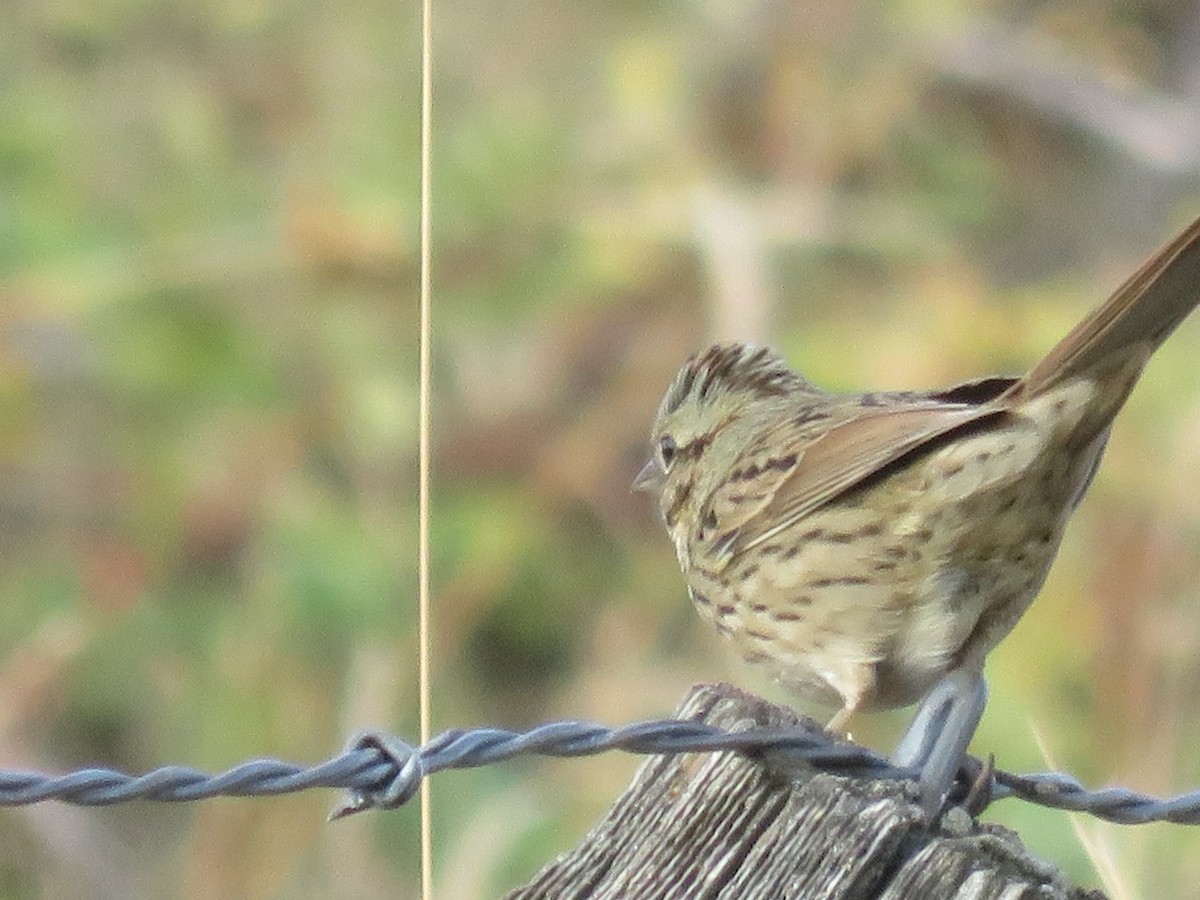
(423, 439)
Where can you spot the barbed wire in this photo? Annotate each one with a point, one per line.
(382, 771)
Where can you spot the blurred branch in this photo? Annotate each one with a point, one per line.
(784, 215)
(1158, 130)
(729, 236)
(91, 861)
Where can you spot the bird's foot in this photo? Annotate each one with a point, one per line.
(936, 740)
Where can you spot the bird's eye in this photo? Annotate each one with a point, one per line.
(667, 448)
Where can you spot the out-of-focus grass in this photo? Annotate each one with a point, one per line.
(207, 395)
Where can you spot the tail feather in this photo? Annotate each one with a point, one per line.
(1142, 312)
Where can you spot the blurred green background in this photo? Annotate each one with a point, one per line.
(208, 352)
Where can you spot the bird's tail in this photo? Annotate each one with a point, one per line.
(1131, 323)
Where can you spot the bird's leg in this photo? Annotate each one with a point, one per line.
(938, 736)
(854, 685)
(837, 725)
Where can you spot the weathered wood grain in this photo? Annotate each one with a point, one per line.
(717, 825)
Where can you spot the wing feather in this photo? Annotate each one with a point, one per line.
(850, 452)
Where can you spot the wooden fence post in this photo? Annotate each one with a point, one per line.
(717, 825)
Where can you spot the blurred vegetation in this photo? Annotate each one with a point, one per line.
(208, 220)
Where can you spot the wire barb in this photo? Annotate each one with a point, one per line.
(400, 757)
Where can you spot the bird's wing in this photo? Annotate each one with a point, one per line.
(851, 452)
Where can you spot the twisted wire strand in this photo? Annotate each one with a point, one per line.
(382, 771)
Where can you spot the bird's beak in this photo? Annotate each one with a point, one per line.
(650, 478)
